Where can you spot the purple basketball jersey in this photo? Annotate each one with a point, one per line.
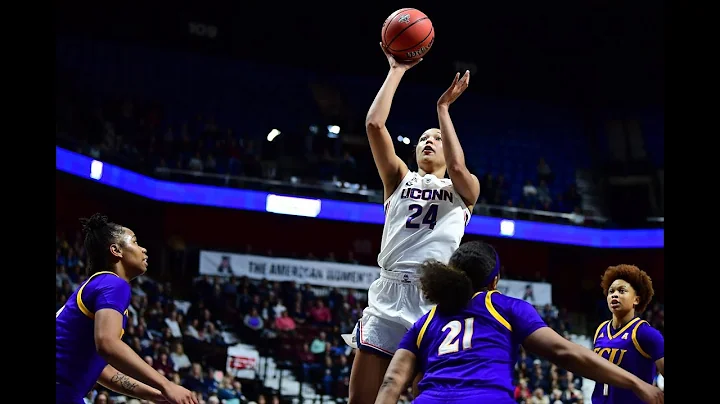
(635, 347)
(77, 363)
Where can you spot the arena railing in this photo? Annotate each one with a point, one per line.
(361, 193)
(341, 190)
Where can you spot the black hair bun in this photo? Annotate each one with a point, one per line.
(96, 222)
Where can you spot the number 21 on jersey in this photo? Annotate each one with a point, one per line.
(429, 218)
(451, 343)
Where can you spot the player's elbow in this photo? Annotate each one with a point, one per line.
(373, 125)
(570, 356)
(106, 345)
(547, 343)
(562, 354)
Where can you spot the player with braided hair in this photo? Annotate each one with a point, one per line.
(89, 327)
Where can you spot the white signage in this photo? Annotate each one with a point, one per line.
(319, 273)
(242, 361)
(535, 293)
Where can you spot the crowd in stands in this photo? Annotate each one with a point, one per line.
(141, 136)
(299, 326)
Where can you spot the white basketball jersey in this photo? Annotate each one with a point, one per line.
(424, 218)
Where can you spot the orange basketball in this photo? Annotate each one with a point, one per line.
(408, 34)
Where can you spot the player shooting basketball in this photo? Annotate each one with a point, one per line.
(425, 217)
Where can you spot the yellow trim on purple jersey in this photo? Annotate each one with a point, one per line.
(425, 325)
(635, 341)
(493, 312)
(80, 303)
(622, 330)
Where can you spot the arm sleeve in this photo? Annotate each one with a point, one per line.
(409, 340)
(651, 341)
(524, 319)
(109, 292)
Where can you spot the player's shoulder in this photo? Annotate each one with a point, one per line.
(508, 304)
(498, 298)
(110, 280)
(648, 340)
(644, 329)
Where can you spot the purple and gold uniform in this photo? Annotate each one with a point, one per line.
(469, 357)
(635, 348)
(77, 363)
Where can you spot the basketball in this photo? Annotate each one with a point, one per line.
(408, 34)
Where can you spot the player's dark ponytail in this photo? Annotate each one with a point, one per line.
(450, 289)
(99, 234)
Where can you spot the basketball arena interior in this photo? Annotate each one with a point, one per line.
(231, 139)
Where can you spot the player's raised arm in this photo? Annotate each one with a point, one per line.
(465, 183)
(399, 374)
(108, 328)
(112, 379)
(391, 167)
(578, 359)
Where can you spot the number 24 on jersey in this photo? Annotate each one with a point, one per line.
(429, 216)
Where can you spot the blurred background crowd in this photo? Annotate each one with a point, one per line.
(185, 336)
(556, 132)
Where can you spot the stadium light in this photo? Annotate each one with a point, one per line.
(333, 131)
(273, 134)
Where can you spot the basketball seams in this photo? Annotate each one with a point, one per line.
(432, 29)
(390, 20)
(403, 30)
(400, 25)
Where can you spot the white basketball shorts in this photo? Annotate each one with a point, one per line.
(395, 303)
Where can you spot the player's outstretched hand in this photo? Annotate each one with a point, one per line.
(179, 395)
(650, 394)
(398, 64)
(458, 86)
